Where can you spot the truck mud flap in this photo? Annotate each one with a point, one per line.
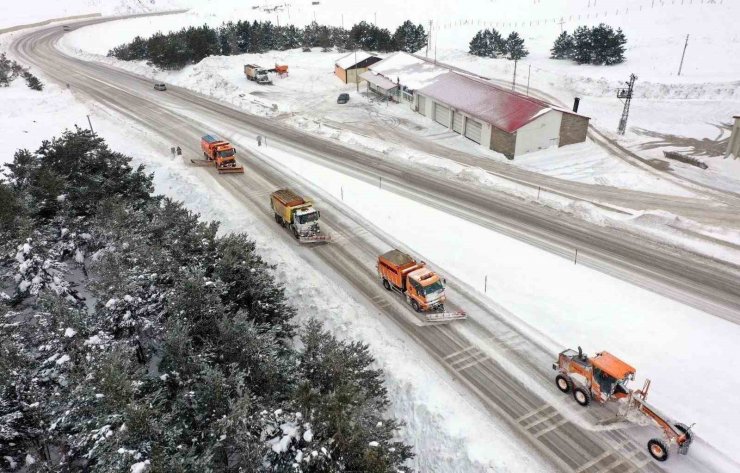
(443, 317)
(236, 170)
(315, 239)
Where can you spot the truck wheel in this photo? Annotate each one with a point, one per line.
(564, 383)
(278, 219)
(658, 449)
(415, 305)
(295, 232)
(386, 285)
(582, 396)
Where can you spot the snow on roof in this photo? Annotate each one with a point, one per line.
(352, 58)
(502, 108)
(413, 72)
(378, 80)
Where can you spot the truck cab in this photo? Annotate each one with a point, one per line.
(422, 287)
(306, 220)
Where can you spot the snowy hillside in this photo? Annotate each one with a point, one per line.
(11, 14)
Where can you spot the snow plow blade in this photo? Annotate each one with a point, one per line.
(233, 170)
(442, 317)
(202, 162)
(314, 239)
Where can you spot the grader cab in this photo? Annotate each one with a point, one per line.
(605, 378)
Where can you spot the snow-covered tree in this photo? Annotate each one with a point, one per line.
(134, 335)
(563, 47)
(515, 46)
(409, 38)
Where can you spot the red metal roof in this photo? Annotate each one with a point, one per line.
(502, 108)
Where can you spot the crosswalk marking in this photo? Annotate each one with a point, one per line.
(533, 412)
(603, 456)
(459, 352)
(551, 428)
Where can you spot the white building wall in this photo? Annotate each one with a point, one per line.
(485, 136)
(542, 132)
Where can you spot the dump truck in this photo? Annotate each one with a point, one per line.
(257, 74)
(219, 153)
(605, 378)
(422, 288)
(297, 214)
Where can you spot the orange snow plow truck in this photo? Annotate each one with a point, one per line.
(423, 288)
(220, 153)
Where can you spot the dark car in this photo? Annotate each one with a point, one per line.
(343, 98)
(160, 86)
(67, 28)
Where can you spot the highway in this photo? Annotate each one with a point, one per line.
(563, 436)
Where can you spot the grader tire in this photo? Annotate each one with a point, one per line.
(564, 383)
(415, 305)
(582, 396)
(658, 449)
(386, 285)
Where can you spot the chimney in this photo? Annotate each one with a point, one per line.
(576, 101)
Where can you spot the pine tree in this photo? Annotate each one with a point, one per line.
(515, 46)
(582, 45)
(409, 38)
(479, 44)
(563, 48)
(496, 43)
(614, 48)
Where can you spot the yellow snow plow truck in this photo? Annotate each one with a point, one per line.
(298, 215)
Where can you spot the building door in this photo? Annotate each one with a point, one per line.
(457, 122)
(441, 114)
(473, 130)
(422, 105)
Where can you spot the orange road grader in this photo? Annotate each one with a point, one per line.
(219, 153)
(604, 378)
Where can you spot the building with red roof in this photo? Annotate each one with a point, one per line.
(495, 117)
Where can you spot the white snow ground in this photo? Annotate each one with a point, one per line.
(449, 433)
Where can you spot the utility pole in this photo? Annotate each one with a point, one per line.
(626, 94)
(429, 38)
(529, 73)
(683, 54)
(357, 79)
(90, 123)
(376, 19)
(513, 80)
(562, 21)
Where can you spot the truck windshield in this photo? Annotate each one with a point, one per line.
(226, 154)
(432, 288)
(312, 217)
